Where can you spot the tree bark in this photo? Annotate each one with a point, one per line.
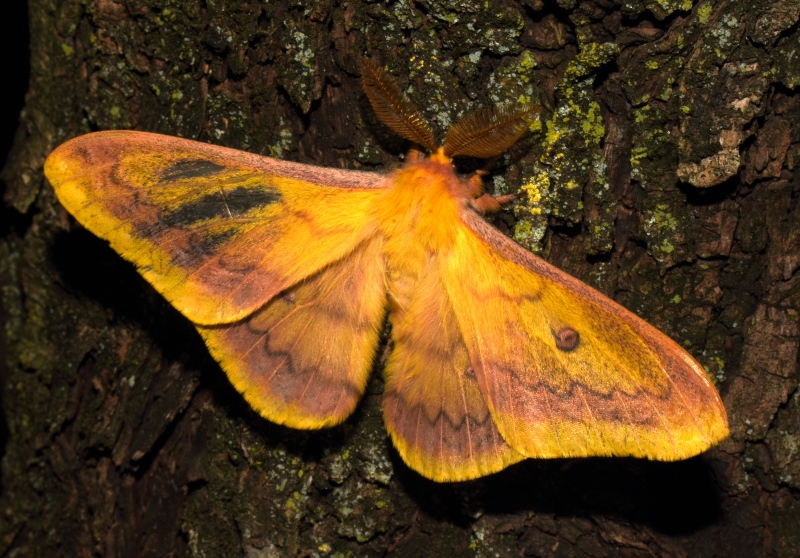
(666, 174)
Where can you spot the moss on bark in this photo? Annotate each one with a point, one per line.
(665, 171)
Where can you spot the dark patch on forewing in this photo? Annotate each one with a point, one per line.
(197, 168)
(242, 200)
(212, 241)
(220, 205)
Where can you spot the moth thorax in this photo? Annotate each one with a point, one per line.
(421, 207)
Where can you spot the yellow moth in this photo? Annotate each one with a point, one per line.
(289, 272)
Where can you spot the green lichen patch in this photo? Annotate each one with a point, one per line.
(786, 58)
(228, 122)
(362, 511)
(652, 164)
(659, 8)
(495, 27)
(721, 67)
(570, 158)
(655, 77)
(664, 224)
(268, 499)
(434, 87)
(514, 81)
(434, 62)
(286, 490)
(298, 71)
(784, 443)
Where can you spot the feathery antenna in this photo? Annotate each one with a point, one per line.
(488, 132)
(393, 107)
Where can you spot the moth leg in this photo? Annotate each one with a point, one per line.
(488, 203)
(414, 155)
(475, 181)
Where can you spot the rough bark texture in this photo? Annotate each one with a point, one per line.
(666, 173)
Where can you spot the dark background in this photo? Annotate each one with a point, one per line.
(176, 463)
(14, 43)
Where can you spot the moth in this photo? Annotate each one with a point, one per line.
(289, 272)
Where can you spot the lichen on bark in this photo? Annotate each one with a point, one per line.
(663, 170)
